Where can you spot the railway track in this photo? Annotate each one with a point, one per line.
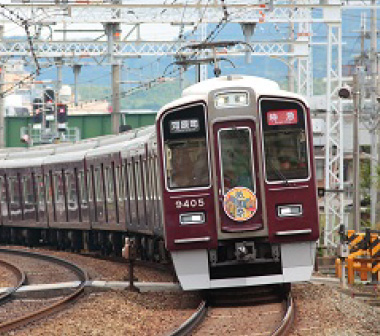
(24, 309)
(231, 312)
(19, 276)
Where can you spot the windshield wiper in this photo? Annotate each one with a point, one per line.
(278, 173)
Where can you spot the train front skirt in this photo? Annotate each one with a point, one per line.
(193, 268)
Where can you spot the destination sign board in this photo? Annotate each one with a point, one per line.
(282, 117)
(184, 126)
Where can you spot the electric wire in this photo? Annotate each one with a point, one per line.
(181, 37)
(25, 24)
(156, 81)
(25, 80)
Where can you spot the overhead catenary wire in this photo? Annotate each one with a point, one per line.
(181, 37)
(158, 80)
(24, 24)
(25, 80)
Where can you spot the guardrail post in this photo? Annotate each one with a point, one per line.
(129, 252)
(350, 270)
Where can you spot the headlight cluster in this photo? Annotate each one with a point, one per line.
(231, 99)
(293, 210)
(192, 218)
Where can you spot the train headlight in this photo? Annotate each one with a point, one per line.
(192, 218)
(293, 210)
(231, 99)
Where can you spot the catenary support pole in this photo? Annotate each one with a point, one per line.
(77, 68)
(356, 180)
(374, 114)
(2, 108)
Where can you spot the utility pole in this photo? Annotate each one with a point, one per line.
(77, 68)
(357, 89)
(374, 113)
(291, 58)
(113, 35)
(2, 110)
(57, 99)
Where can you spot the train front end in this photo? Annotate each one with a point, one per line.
(238, 185)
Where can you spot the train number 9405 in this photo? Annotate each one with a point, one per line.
(190, 203)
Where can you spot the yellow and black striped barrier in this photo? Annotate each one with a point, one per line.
(364, 255)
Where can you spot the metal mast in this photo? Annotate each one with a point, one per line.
(334, 205)
(2, 110)
(374, 113)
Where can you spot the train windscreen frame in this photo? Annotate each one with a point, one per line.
(185, 145)
(236, 158)
(285, 140)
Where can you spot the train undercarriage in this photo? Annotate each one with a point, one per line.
(107, 243)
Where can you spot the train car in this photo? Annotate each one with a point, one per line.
(224, 183)
(239, 201)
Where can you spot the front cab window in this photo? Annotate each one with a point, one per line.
(285, 140)
(236, 158)
(185, 148)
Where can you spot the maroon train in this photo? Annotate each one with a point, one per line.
(224, 183)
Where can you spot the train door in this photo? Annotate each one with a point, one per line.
(239, 193)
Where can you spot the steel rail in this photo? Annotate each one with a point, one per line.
(282, 329)
(57, 306)
(288, 319)
(192, 322)
(20, 279)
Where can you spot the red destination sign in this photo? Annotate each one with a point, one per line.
(282, 117)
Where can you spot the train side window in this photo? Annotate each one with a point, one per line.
(131, 181)
(98, 185)
(157, 190)
(119, 182)
(58, 188)
(40, 189)
(109, 184)
(90, 184)
(145, 181)
(27, 190)
(3, 194)
(48, 188)
(150, 178)
(155, 178)
(71, 188)
(82, 186)
(138, 180)
(14, 190)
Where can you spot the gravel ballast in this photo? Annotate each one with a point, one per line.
(321, 309)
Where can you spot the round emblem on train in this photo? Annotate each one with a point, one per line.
(240, 204)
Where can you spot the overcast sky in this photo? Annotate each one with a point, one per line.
(155, 32)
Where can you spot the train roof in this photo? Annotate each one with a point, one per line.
(21, 163)
(119, 147)
(65, 157)
(30, 154)
(76, 147)
(52, 153)
(200, 91)
(258, 84)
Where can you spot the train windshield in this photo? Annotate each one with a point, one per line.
(236, 158)
(185, 146)
(285, 141)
